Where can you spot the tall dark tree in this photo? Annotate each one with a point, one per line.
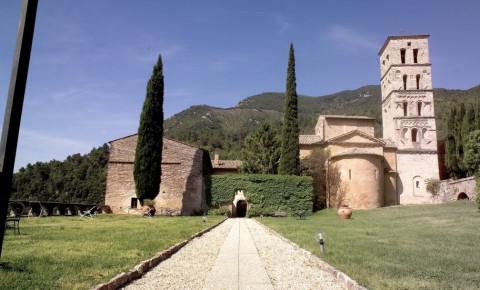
(451, 156)
(148, 156)
(468, 123)
(477, 113)
(261, 151)
(290, 159)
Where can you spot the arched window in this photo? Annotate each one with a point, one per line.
(405, 106)
(414, 135)
(404, 82)
(402, 55)
(415, 55)
(419, 108)
(418, 82)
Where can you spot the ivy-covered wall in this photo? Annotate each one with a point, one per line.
(265, 194)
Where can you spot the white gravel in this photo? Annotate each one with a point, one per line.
(287, 265)
(187, 268)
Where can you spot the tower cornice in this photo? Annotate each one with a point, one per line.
(406, 92)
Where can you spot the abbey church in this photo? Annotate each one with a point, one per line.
(362, 171)
(392, 170)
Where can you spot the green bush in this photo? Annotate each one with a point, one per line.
(478, 190)
(265, 194)
(219, 211)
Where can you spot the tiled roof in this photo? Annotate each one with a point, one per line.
(309, 139)
(226, 164)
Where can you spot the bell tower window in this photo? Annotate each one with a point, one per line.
(404, 82)
(405, 105)
(415, 55)
(419, 108)
(402, 55)
(414, 135)
(418, 81)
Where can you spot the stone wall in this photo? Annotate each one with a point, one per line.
(413, 167)
(182, 189)
(454, 189)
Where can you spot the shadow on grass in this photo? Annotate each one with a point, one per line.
(11, 267)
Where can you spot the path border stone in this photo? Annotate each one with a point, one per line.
(143, 267)
(343, 278)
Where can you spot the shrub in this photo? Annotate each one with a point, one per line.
(478, 190)
(265, 194)
(219, 211)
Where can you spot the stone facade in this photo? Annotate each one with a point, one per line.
(408, 113)
(182, 189)
(360, 169)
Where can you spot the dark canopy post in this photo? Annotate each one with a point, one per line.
(13, 109)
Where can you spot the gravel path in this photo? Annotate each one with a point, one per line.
(303, 270)
(239, 254)
(187, 268)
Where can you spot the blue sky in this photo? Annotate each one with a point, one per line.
(91, 59)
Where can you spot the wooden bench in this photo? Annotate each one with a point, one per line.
(279, 214)
(14, 223)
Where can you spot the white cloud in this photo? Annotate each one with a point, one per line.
(39, 146)
(351, 38)
(281, 23)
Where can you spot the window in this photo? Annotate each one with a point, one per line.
(409, 43)
(419, 108)
(415, 55)
(402, 55)
(404, 82)
(350, 174)
(383, 62)
(388, 57)
(133, 202)
(405, 105)
(418, 82)
(417, 184)
(414, 135)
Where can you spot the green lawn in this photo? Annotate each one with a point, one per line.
(406, 247)
(78, 253)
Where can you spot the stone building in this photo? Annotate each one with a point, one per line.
(182, 190)
(408, 113)
(361, 169)
(220, 166)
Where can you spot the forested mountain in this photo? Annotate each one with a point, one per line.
(223, 130)
(81, 178)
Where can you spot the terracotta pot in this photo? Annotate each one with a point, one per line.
(344, 212)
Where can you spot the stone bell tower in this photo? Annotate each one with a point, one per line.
(408, 113)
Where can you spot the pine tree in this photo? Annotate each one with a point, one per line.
(261, 152)
(290, 160)
(148, 155)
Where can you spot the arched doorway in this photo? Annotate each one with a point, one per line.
(462, 196)
(241, 208)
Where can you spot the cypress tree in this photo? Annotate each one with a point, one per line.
(459, 138)
(451, 161)
(148, 155)
(477, 114)
(468, 124)
(289, 156)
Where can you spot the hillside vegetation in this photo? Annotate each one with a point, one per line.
(223, 130)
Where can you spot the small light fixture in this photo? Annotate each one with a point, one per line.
(319, 237)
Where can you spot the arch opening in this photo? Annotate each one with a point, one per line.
(462, 196)
(241, 208)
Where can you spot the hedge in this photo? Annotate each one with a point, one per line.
(265, 194)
